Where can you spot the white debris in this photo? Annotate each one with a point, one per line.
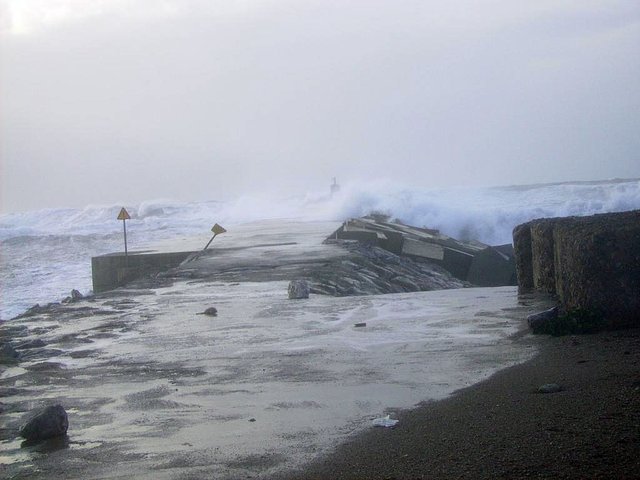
(385, 422)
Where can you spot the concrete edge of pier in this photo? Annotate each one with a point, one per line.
(114, 270)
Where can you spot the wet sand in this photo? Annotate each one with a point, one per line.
(504, 428)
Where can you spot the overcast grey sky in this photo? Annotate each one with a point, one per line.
(106, 101)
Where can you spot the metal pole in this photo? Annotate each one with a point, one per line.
(124, 224)
(207, 245)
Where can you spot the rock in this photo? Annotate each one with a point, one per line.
(549, 388)
(210, 312)
(8, 354)
(74, 297)
(50, 422)
(539, 322)
(298, 289)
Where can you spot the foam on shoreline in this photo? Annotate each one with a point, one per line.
(145, 374)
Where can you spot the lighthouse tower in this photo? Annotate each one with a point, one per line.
(335, 188)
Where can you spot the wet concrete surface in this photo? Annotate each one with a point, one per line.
(154, 390)
(284, 250)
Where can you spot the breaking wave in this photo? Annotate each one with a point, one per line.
(487, 214)
(47, 252)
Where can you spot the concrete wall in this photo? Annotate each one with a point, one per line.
(595, 263)
(114, 270)
(523, 257)
(432, 251)
(394, 242)
(491, 268)
(542, 256)
(457, 262)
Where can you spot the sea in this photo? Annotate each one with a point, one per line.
(44, 254)
(269, 384)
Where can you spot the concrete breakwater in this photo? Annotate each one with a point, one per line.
(363, 256)
(590, 263)
(117, 269)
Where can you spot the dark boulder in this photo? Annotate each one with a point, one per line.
(75, 296)
(48, 423)
(539, 322)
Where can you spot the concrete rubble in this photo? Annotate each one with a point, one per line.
(471, 261)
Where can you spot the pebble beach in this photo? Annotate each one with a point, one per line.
(505, 428)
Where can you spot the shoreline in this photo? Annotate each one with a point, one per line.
(280, 380)
(503, 428)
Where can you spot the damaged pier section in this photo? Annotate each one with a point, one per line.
(474, 262)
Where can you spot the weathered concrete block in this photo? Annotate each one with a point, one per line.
(542, 255)
(298, 289)
(492, 268)
(522, 253)
(597, 262)
(591, 263)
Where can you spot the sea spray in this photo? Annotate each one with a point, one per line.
(46, 253)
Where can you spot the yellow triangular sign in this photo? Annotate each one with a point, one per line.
(123, 215)
(217, 229)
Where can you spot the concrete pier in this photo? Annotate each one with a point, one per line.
(115, 269)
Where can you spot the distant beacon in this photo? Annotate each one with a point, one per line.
(335, 188)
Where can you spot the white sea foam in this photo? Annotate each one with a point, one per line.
(46, 253)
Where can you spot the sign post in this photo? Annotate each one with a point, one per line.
(216, 229)
(124, 216)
